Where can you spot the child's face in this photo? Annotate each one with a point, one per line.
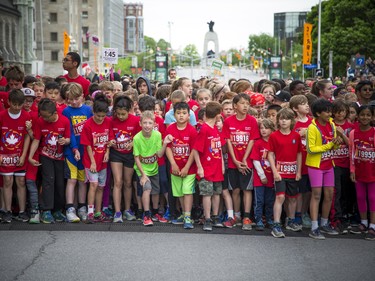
(203, 99)
(242, 106)
(28, 103)
(15, 108)
(142, 88)
(14, 84)
(158, 111)
(187, 88)
(271, 114)
(352, 114)
(303, 108)
(268, 94)
(109, 94)
(285, 123)
(117, 89)
(122, 114)
(99, 117)
(219, 123)
(39, 92)
(340, 116)
(47, 116)
(53, 94)
(136, 110)
(366, 92)
(264, 132)
(147, 125)
(182, 116)
(365, 117)
(228, 110)
(327, 91)
(75, 102)
(324, 116)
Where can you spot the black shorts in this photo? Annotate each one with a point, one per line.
(225, 183)
(289, 187)
(238, 180)
(127, 159)
(304, 184)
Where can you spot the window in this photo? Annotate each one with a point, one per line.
(53, 17)
(84, 1)
(54, 55)
(85, 14)
(53, 36)
(53, 1)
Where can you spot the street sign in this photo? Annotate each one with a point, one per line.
(319, 72)
(110, 55)
(216, 67)
(310, 66)
(161, 67)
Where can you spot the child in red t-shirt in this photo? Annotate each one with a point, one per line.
(362, 170)
(210, 164)
(240, 131)
(285, 157)
(299, 104)
(51, 134)
(263, 180)
(97, 137)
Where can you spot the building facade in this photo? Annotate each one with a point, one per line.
(134, 28)
(114, 25)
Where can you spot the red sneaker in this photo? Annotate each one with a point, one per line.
(230, 223)
(147, 221)
(159, 218)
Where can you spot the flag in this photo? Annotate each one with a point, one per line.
(307, 43)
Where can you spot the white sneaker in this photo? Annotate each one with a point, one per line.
(82, 213)
(71, 215)
(34, 217)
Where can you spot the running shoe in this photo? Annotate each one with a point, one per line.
(59, 216)
(216, 222)
(361, 228)
(259, 226)
(328, 229)
(129, 215)
(306, 221)
(47, 217)
(139, 214)
(90, 218)
(159, 218)
(246, 224)
(230, 223)
(207, 225)
(188, 223)
(277, 232)
(7, 217)
(167, 214)
(34, 217)
(179, 220)
(316, 234)
(23, 217)
(370, 235)
(293, 226)
(147, 221)
(71, 215)
(82, 213)
(101, 217)
(117, 218)
(238, 221)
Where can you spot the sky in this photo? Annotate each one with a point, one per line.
(234, 20)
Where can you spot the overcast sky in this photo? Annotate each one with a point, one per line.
(234, 20)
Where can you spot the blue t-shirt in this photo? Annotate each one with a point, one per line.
(169, 118)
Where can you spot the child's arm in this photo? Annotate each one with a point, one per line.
(200, 171)
(29, 129)
(187, 166)
(92, 159)
(260, 171)
(175, 169)
(167, 139)
(25, 148)
(299, 166)
(238, 164)
(144, 178)
(271, 159)
(247, 153)
(311, 138)
(351, 155)
(33, 148)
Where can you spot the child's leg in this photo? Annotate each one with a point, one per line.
(48, 183)
(215, 204)
(206, 200)
(329, 189)
(117, 169)
(292, 205)
(99, 198)
(107, 187)
(21, 192)
(269, 200)
(128, 174)
(228, 202)
(59, 194)
(236, 200)
(314, 203)
(82, 193)
(259, 194)
(247, 201)
(361, 188)
(187, 203)
(70, 192)
(146, 200)
(33, 194)
(8, 192)
(91, 196)
(277, 207)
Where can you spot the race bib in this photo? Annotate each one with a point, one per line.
(286, 168)
(9, 160)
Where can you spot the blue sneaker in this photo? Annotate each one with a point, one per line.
(259, 226)
(108, 213)
(59, 216)
(277, 232)
(47, 217)
(118, 218)
(179, 220)
(167, 215)
(188, 223)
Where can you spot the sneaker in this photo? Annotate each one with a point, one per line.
(246, 224)
(230, 223)
(259, 226)
(118, 218)
(82, 213)
(139, 214)
(147, 221)
(7, 217)
(216, 222)
(167, 214)
(328, 229)
(298, 220)
(71, 215)
(293, 226)
(129, 215)
(270, 224)
(23, 217)
(207, 225)
(2, 212)
(59, 216)
(277, 232)
(306, 221)
(361, 228)
(90, 218)
(316, 234)
(101, 217)
(108, 213)
(179, 220)
(188, 223)
(159, 218)
(339, 227)
(370, 235)
(47, 217)
(238, 221)
(34, 217)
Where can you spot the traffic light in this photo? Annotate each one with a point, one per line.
(256, 64)
(294, 67)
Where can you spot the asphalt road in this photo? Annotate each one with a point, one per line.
(165, 252)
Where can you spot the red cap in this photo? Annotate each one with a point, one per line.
(257, 99)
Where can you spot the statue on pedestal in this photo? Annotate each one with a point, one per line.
(211, 26)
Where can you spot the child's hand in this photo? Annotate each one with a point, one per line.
(277, 176)
(93, 168)
(77, 155)
(143, 180)
(352, 177)
(340, 131)
(337, 140)
(264, 180)
(184, 172)
(34, 162)
(302, 132)
(298, 176)
(168, 139)
(111, 143)
(28, 125)
(21, 161)
(129, 145)
(62, 141)
(200, 172)
(175, 170)
(106, 157)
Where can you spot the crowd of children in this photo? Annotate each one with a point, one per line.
(272, 154)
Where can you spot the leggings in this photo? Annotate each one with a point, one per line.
(365, 190)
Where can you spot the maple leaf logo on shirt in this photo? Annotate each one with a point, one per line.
(52, 141)
(12, 139)
(121, 138)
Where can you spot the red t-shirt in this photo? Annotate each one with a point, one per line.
(48, 133)
(303, 125)
(341, 154)
(364, 155)
(327, 136)
(80, 80)
(3, 81)
(60, 107)
(259, 153)
(191, 103)
(240, 133)
(13, 132)
(182, 144)
(124, 131)
(160, 127)
(4, 100)
(286, 148)
(97, 136)
(208, 144)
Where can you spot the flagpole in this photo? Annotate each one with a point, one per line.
(320, 17)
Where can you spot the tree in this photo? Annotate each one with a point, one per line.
(260, 42)
(347, 28)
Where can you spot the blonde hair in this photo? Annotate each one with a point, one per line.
(178, 94)
(267, 123)
(74, 90)
(106, 86)
(148, 114)
(202, 91)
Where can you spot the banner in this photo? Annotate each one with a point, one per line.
(66, 43)
(307, 43)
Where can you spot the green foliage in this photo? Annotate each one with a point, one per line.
(261, 42)
(347, 28)
(124, 64)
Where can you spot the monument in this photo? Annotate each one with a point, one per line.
(211, 36)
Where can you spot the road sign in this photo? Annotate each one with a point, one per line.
(319, 72)
(110, 55)
(310, 66)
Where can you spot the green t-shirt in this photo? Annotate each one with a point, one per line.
(146, 149)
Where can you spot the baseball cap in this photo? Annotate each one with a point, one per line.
(28, 92)
(257, 99)
(283, 96)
